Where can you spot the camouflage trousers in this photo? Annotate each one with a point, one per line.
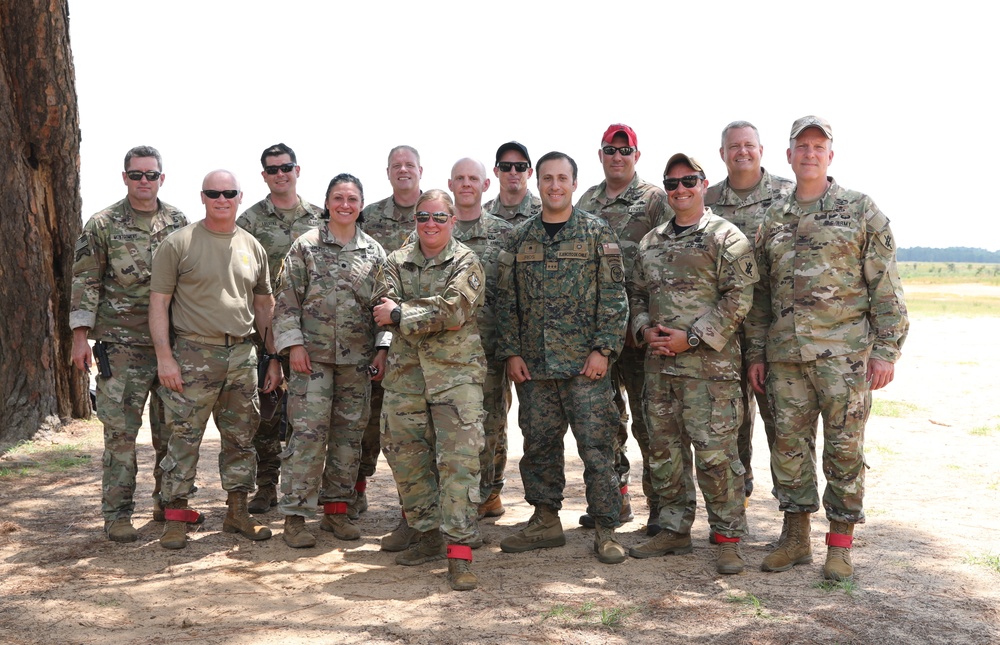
(370, 441)
(685, 413)
(444, 431)
(752, 401)
(496, 405)
(798, 394)
(220, 382)
(327, 412)
(267, 439)
(120, 402)
(627, 379)
(546, 408)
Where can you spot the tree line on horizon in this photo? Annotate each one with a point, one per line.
(950, 254)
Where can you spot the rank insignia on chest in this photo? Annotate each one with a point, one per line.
(552, 265)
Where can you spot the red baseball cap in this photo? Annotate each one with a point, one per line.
(620, 128)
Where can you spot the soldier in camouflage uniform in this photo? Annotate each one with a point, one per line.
(633, 208)
(515, 203)
(827, 325)
(110, 303)
(276, 221)
(563, 309)
(390, 223)
(691, 288)
(323, 320)
(212, 368)
(432, 418)
(742, 198)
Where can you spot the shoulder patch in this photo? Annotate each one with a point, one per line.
(474, 282)
(739, 247)
(609, 248)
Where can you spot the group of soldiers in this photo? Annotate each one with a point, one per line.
(683, 309)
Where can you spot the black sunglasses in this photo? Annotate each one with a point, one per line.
(689, 181)
(520, 166)
(137, 175)
(440, 217)
(624, 150)
(285, 168)
(215, 194)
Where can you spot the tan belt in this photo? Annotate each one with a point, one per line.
(222, 341)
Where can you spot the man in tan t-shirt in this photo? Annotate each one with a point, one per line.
(211, 278)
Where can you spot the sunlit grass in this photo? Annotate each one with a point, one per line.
(888, 408)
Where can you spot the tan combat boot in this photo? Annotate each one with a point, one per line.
(730, 559)
(120, 530)
(401, 538)
(177, 517)
(337, 521)
(263, 500)
(794, 549)
(666, 542)
(492, 507)
(295, 534)
(544, 530)
(428, 548)
(839, 540)
(460, 575)
(607, 548)
(238, 518)
(625, 515)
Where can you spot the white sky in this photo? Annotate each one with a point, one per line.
(212, 83)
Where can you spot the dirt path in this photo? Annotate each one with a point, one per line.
(933, 497)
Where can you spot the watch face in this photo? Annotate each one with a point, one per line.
(693, 340)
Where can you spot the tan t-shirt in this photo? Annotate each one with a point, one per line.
(213, 278)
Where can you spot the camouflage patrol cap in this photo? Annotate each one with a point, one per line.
(811, 122)
(680, 157)
(515, 146)
(620, 128)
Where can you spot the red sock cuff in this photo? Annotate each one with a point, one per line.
(361, 485)
(181, 515)
(625, 489)
(720, 538)
(335, 508)
(838, 539)
(460, 552)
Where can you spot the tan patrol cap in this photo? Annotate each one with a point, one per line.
(680, 157)
(811, 122)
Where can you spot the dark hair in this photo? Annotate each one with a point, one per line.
(344, 178)
(144, 151)
(276, 150)
(551, 156)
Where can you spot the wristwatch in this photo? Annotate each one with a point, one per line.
(693, 340)
(396, 315)
(605, 351)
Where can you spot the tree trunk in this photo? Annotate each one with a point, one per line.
(39, 219)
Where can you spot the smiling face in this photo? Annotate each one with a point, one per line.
(468, 183)
(283, 183)
(741, 151)
(221, 210)
(556, 185)
(618, 168)
(434, 236)
(688, 203)
(404, 171)
(810, 155)
(344, 204)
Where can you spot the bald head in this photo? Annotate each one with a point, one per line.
(468, 183)
(223, 176)
(221, 195)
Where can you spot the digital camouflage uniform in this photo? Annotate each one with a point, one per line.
(325, 305)
(111, 273)
(432, 418)
(829, 298)
(639, 208)
(528, 208)
(389, 225)
(560, 297)
(699, 280)
(747, 214)
(275, 232)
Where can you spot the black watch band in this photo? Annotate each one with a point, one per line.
(396, 315)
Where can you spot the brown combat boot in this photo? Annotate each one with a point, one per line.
(460, 575)
(653, 527)
(729, 560)
(794, 549)
(295, 534)
(238, 518)
(839, 540)
(607, 548)
(666, 542)
(625, 515)
(492, 507)
(428, 548)
(263, 500)
(544, 530)
(337, 521)
(120, 530)
(401, 538)
(177, 517)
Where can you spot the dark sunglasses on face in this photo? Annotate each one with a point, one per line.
(520, 166)
(624, 150)
(214, 194)
(137, 175)
(285, 168)
(689, 181)
(440, 217)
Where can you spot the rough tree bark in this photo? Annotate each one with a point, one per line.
(39, 218)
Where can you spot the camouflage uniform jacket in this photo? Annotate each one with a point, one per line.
(701, 280)
(111, 273)
(529, 207)
(562, 296)
(828, 282)
(389, 224)
(434, 294)
(276, 233)
(748, 213)
(326, 302)
(640, 208)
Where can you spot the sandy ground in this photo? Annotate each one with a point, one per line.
(932, 504)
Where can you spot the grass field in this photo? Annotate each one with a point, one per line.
(949, 273)
(978, 299)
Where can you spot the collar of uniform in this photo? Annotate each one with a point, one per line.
(357, 242)
(627, 195)
(129, 217)
(524, 208)
(302, 208)
(537, 228)
(825, 203)
(727, 197)
(706, 215)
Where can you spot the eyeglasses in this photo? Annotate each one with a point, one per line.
(440, 217)
(215, 194)
(623, 151)
(520, 166)
(285, 168)
(137, 175)
(689, 181)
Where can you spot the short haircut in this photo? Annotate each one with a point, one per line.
(399, 148)
(435, 194)
(737, 125)
(144, 151)
(344, 178)
(552, 156)
(276, 150)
